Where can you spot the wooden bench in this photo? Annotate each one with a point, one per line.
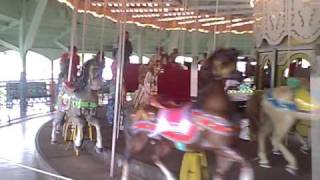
(36, 91)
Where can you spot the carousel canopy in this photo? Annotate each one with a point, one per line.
(44, 26)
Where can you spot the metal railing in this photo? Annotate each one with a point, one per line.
(40, 91)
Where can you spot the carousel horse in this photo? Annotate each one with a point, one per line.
(272, 113)
(203, 126)
(80, 102)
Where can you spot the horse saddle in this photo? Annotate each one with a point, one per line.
(183, 125)
(173, 124)
(279, 103)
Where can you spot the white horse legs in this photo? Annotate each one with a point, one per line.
(95, 122)
(56, 123)
(281, 130)
(79, 135)
(305, 142)
(273, 120)
(264, 131)
(164, 170)
(125, 170)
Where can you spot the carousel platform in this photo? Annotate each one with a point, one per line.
(93, 166)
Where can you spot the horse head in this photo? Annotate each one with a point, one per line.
(91, 77)
(300, 89)
(222, 63)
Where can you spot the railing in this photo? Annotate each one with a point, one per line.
(38, 91)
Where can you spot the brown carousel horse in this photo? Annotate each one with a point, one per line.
(274, 112)
(204, 126)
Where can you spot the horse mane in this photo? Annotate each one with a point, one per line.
(82, 80)
(224, 55)
(64, 70)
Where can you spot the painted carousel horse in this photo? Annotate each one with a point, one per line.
(205, 125)
(274, 112)
(79, 104)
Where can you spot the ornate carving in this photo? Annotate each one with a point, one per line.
(276, 19)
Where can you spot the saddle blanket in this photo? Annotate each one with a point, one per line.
(184, 125)
(280, 104)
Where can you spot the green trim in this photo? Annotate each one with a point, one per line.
(84, 104)
(294, 83)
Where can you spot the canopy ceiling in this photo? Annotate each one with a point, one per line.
(53, 35)
(202, 15)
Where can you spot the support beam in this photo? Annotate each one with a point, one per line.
(9, 45)
(63, 33)
(35, 24)
(11, 25)
(62, 46)
(7, 18)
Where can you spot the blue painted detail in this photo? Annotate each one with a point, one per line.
(181, 146)
(277, 103)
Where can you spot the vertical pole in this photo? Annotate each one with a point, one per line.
(23, 54)
(182, 43)
(257, 72)
(139, 44)
(215, 27)
(315, 123)
(274, 68)
(119, 84)
(84, 30)
(72, 38)
(23, 85)
(195, 56)
(194, 66)
(52, 89)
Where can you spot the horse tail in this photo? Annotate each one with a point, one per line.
(253, 110)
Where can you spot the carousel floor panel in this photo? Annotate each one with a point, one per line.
(19, 159)
(96, 166)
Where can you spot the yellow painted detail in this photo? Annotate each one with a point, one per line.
(194, 167)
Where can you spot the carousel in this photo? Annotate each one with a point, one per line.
(208, 117)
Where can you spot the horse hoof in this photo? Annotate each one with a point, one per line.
(292, 171)
(99, 150)
(54, 142)
(246, 174)
(58, 132)
(264, 165)
(304, 150)
(276, 153)
(77, 149)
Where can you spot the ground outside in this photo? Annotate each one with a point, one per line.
(92, 166)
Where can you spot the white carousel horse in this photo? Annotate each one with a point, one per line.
(273, 113)
(80, 105)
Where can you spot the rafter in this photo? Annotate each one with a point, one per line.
(60, 45)
(9, 26)
(8, 45)
(35, 24)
